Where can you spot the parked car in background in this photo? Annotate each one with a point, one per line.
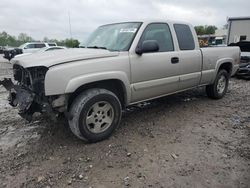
(10, 52)
(122, 64)
(244, 67)
(31, 47)
(45, 49)
(1, 49)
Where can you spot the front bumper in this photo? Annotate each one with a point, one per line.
(20, 97)
(28, 102)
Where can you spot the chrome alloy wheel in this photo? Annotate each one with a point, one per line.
(221, 85)
(99, 117)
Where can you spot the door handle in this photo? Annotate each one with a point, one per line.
(174, 60)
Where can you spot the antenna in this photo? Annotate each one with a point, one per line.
(70, 32)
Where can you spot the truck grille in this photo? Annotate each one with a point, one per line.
(30, 78)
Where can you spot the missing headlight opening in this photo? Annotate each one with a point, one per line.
(27, 92)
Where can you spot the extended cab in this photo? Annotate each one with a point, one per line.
(121, 64)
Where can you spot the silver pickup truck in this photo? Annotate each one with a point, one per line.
(121, 64)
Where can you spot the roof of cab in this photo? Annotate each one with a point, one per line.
(147, 21)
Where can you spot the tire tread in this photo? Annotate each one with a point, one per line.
(77, 105)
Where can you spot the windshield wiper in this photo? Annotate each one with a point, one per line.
(97, 47)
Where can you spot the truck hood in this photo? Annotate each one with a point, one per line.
(55, 57)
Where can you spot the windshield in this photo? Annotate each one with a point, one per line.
(114, 37)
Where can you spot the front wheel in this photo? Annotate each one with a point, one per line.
(95, 115)
(218, 89)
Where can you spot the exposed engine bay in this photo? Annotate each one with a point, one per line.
(27, 92)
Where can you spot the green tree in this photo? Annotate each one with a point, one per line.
(23, 37)
(7, 40)
(210, 29)
(72, 43)
(205, 30)
(200, 30)
(58, 42)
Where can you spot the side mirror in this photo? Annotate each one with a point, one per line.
(147, 46)
(25, 47)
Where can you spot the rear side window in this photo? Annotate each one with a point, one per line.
(161, 33)
(184, 37)
(30, 46)
(40, 45)
(51, 44)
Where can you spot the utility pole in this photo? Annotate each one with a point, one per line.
(70, 32)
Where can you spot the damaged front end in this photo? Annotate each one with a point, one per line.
(27, 92)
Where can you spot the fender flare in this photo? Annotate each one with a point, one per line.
(219, 63)
(79, 81)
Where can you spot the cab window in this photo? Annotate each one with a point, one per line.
(159, 32)
(184, 37)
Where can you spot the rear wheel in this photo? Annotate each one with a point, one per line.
(95, 115)
(218, 89)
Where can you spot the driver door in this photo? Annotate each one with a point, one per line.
(155, 74)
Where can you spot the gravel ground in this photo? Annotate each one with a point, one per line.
(184, 140)
(2, 59)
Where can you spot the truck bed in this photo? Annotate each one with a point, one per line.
(212, 58)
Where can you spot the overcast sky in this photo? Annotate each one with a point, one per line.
(50, 17)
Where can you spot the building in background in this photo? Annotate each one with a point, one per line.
(238, 29)
(217, 39)
(220, 36)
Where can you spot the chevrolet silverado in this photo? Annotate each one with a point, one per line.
(121, 64)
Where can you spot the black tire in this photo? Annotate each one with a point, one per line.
(212, 90)
(81, 107)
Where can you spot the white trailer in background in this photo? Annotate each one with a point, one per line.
(238, 29)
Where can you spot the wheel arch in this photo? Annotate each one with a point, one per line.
(114, 85)
(226, 64)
